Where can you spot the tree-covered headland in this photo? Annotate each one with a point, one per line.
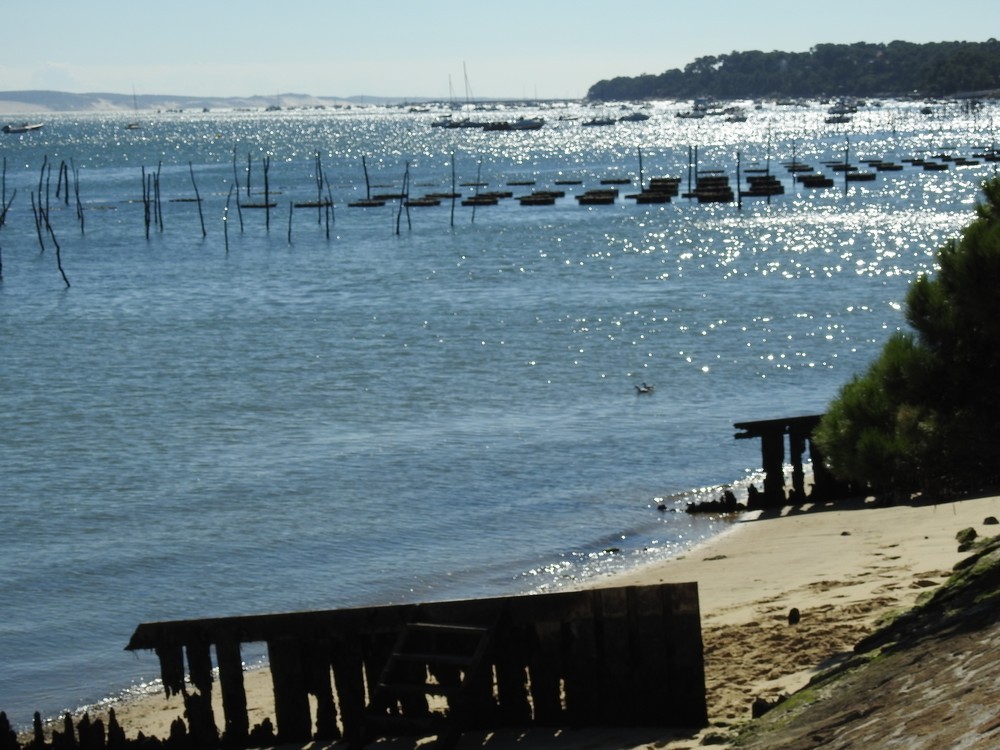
(926, 414)
(862, 69)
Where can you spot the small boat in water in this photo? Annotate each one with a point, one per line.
(25, 127)
(521, 123)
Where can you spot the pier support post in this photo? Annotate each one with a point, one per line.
(234, 697)
(773, 457)
(291, 700)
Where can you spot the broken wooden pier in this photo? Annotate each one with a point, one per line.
(799, 432)
(629, 656)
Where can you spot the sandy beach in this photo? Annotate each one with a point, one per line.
(841, 566)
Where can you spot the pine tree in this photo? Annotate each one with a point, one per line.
(926, 413)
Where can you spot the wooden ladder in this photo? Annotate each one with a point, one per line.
(430, 659)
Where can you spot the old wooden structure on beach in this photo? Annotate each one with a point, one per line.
(799, 431)
(629, 656)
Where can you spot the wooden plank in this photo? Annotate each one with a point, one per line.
(581, 669)
(562, 606)
(544, 673)
(511, 654)
(614, 656)
(685, 680)
(649, 654)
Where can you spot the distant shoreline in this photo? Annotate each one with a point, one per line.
(13, 103)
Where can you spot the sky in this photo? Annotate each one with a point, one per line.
(549, 49)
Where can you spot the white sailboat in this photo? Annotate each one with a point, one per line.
(134, 125)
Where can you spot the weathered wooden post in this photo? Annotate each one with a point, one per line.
(329, 209)
(234, 697)
(157, 202)
(145, 199)
(291, 699)
(225, 218)
(267, 193)
(197, 197)
(454, 194)
(739, 183)
(198, 706)
(76, 193)
(35, 210)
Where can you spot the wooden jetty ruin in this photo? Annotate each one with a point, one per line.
(627, 656)
(799, 432)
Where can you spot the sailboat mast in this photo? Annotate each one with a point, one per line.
(468, 89)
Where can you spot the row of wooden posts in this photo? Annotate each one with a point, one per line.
(40, 209)
(704, 185)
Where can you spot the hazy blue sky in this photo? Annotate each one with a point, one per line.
(411, 48)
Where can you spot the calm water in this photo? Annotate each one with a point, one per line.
(446, 411)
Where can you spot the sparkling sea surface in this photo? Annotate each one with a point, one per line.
(303, 409)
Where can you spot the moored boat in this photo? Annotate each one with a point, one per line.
(25, 127)
(521, 123)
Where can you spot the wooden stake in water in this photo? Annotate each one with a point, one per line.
(157, 203)
(225, 217)
(38, 223)
(76, 193)
(475, 192)
(847, 154)
(454, 195)
(319, 189)
(267, 193)
(145, 199)
(329, 209)
(404, 199)
(236, 176)
(739, 184)
(55, 242)
(3, 217)
(197, 198)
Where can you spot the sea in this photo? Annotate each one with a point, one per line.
(212, 408)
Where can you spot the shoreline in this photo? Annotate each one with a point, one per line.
(843, 566)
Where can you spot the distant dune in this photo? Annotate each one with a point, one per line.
(14, 103)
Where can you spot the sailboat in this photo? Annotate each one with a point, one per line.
(134, 125)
